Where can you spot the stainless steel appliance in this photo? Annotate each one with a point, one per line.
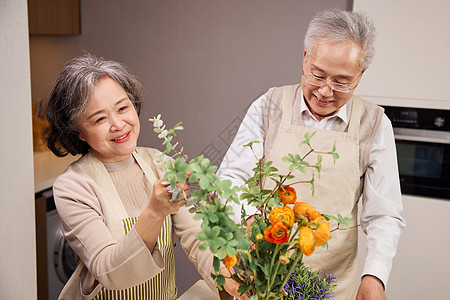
(422, 138)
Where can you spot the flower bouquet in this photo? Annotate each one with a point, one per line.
(265, 249)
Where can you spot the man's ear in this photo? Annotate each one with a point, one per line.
(304, 56)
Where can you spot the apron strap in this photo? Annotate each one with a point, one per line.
(288, 96)
(97, 171)
(145, 161)
(355, 119)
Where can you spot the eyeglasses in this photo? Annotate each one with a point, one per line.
(338, 87)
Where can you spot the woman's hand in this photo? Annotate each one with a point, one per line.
(160, 201)
(231, 286)
(159, 207)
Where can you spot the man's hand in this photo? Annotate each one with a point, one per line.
(371, 288)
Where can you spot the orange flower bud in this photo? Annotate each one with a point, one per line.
(229, 261)
(277, 233)
(306, 240)
(287, 195)
(282, 214)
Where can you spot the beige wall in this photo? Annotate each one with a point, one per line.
(201, 62)
(17, 247)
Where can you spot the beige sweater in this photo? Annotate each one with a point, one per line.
(88, 221)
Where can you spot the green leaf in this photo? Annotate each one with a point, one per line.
(220, 280)
(204, 183)
(216, 264)
(203, 246)
(214, 218)
(221, 253)
(251, 144)
(214, 232)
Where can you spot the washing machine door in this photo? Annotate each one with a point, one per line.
(63, 258)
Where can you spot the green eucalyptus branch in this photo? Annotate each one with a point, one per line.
(260, 265)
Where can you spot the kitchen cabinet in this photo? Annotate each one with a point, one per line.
(411, 62)
(54, 17)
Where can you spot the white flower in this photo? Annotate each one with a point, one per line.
(157, 122)
(159, 129)
(167, 140)
(163, 134)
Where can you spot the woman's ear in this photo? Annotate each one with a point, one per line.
(81, 136)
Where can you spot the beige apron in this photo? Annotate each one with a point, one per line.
(336, 190)
(161, 286)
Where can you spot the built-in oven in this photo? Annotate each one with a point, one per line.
(422, 138)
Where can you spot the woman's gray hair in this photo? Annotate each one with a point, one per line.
(70, 96)
(335, 26)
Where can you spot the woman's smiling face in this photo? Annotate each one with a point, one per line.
(333, 62)
(110, 124)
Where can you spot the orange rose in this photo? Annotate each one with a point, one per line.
(277, 233)
(306, 240)
(313, 214)
(322, 234)
(229, 261)
(287, 195)
(282, 214)
(300, 209)
(303, 209)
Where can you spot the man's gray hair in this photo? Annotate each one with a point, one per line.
(335, 26)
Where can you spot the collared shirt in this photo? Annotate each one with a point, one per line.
(381, 218)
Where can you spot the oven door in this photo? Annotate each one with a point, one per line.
(424, 162)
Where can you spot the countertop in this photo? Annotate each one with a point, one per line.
(47, 167)
(198, 291)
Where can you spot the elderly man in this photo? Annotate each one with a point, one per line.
(339, 46)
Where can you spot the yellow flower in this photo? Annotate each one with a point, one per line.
(287, 195)
(322, 234)
(306, 240)
(282, 214)
(259, 237)
(229, 261)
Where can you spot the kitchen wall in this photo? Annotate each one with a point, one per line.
(201, 62)
(17, 247)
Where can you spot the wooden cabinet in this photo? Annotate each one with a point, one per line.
(54, 17)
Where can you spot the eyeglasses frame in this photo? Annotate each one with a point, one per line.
(332, 84)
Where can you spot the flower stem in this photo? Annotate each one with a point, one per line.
(291, 269)
(274, 254)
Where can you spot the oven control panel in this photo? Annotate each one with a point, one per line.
(418, 118)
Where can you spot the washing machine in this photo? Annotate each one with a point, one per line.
(60, 257)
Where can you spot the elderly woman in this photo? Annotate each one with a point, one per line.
(113, 202)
